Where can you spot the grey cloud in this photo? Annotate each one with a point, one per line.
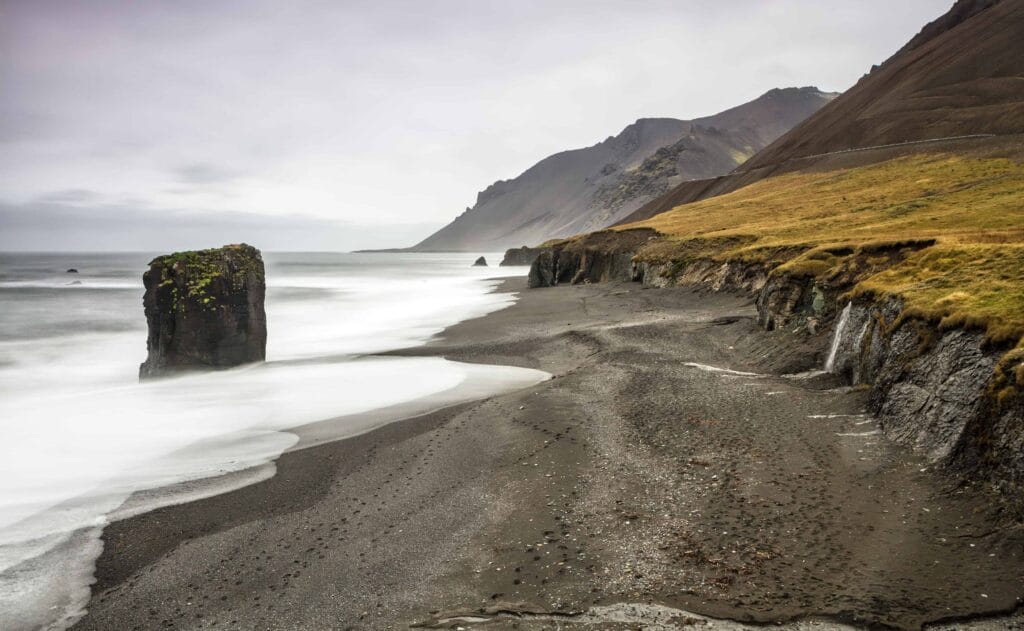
(202, 173)
(51, 226)
(380, 110)
(69, 196)
(20, 125)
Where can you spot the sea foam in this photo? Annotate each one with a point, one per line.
(85, 444)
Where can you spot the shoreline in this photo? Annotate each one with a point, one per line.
(310, 436)
(597, 467)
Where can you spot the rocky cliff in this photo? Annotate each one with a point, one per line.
(593, 258)
(204, 310)
(521, 256)
(948, 392)
(587, 189)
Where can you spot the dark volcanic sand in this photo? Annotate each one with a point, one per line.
(627, 491)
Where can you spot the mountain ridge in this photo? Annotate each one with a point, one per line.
(588, 188)
(960, 75)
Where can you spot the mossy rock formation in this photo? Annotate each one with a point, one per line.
(204, 310)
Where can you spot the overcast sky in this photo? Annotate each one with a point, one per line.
(307, 124)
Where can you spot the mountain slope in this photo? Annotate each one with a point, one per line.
(586, 189)
(962, 75)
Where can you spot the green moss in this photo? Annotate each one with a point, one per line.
(199, 269)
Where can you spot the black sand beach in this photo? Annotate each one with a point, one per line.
(636, 489)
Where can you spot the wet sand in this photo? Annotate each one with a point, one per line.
(639, 488)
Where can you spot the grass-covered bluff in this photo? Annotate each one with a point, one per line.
(944, 234)
(205, 310)
(929, 249)
(959, 221)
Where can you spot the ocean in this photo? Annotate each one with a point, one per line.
(85, 443)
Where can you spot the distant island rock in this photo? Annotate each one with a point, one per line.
(71, 271)
(480, 262)
(204, 310)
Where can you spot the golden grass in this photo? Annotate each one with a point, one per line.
(961, 285)
(959, 222)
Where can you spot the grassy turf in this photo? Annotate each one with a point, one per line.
(962, 218)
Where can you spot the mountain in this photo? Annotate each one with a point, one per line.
(958, 85)
(587, 189)
(961, 75)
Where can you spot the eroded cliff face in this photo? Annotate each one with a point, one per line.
(936, 390)
(521, 256)
(948, 394)
(204, 310)
(596, 257)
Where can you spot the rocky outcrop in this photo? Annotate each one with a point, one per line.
(718, 276)
(795, 301)
(934, 390)
(926, 389)
(204, 310)
(781, 300)
(521, 256)
(593, 258)
(480, 262)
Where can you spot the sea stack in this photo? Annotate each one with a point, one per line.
(480, 262)
(204, 310)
